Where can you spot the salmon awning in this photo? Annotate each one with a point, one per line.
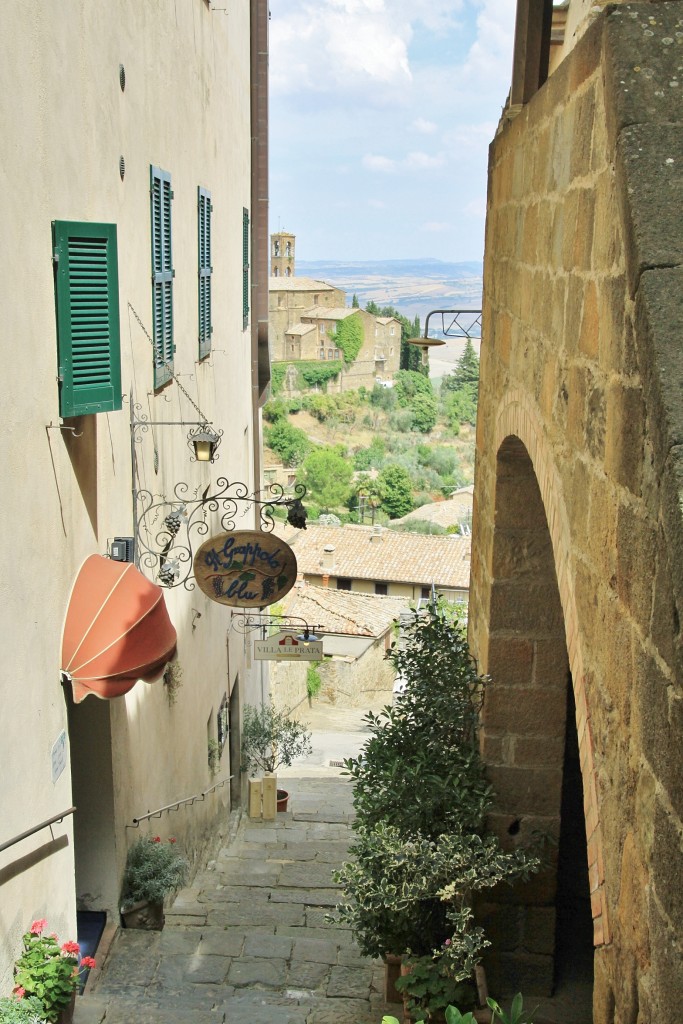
(117, 630)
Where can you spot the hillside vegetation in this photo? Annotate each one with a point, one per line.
(375, 455)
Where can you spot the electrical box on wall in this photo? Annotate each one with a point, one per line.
(122, 549)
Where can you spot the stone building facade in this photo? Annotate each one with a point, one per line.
(577, 561)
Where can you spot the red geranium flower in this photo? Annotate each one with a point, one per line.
(172, 839)
(38, 926)
(156, 839)
(18, 991)
(71, 947)
(88, 961)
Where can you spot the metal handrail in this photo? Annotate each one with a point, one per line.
(197, 798)
(37, 828)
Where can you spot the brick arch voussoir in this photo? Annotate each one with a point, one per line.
(518, 417)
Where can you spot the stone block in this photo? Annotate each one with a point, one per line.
(522, 791)
(531, 974)
(222, 941)
(524, 711)
(257, 971)
(539, 930)
(636, 548)
(315, 950)
(307, 975)
(349, 982)
(582, 143)
(501, 923)
(589, 334)
(527, 608)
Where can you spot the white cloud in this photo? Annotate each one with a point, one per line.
(379, 163)
(423, 126)
(423, 162)
(377, 204)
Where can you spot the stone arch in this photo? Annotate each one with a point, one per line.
(518, 419)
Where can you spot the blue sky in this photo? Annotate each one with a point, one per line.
(381, 113)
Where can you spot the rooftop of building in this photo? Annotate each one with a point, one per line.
(300, 329)
(444, 513)
(299, 284)
(343, 611)
(375, 553)
(328, 312)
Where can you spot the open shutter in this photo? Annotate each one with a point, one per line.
(204, 210)
(87, 307)
(245, 268)
(162, 275)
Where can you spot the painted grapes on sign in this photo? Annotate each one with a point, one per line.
(245, 568)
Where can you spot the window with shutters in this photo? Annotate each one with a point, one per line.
(245, 269)
(87, 308)
(205, 270)
(162, 275)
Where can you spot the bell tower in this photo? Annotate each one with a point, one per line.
(282, 254)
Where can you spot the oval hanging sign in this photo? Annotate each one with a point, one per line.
(245, 568)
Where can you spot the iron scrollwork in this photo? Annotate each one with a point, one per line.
(168, 530)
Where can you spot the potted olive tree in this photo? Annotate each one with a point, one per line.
(421, 851)
(270, 739)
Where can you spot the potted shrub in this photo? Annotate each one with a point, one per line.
(270, 738)
(48, 975)
(153, 870)
(21, 1010)
(421, 851)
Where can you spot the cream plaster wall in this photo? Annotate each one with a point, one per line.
(66, 123)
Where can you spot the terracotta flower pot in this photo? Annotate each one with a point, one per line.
(282, 798)
(149, 916)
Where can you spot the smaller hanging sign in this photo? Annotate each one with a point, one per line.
(245, 568)
(287, 647)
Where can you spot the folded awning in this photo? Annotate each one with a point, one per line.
(117, 630)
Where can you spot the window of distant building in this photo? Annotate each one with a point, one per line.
(376, 331)
(276, 273)
(391, 351)
(288, 272)
(291, 479)
(336, 353)
(391, 332)
(322, 328)
(381, 589)
(280, 299)
(343, 583)
(315, 300)
(276, 248)
(330, 353)
(322, 353)
(426, 593)
(289, 248)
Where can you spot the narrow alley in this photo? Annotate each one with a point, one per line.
(250, 939)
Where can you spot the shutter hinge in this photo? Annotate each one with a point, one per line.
(55, 258)
(172, 194)
(173, 273)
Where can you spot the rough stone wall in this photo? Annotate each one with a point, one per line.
(580, 398)
(364, 682)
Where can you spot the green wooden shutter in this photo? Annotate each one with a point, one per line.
(162, 275)
(245, 268)
(87, 307)
(204, 210)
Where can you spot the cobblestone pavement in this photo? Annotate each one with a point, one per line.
(249, 941)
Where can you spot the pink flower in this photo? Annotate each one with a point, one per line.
(172, 840)
(38, 926)
(447, 942)
(71, 947)
(88, 961)
(156, 839)
(18, 991)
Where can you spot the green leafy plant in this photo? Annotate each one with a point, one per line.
(173, 680)
(213, 756)
(349, 337)
(430, 989)
(21, 1010)
(49, 972)
(153, 870)
(313, 680)
(516, 1014)
(421, 851)
(270, 738)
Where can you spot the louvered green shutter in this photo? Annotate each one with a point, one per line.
(245, 268)
(205, 269)
(162, 275)
(87, 306)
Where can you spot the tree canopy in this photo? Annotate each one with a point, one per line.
(327, 474)
(397, 499)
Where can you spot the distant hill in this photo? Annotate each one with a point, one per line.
(413, 286)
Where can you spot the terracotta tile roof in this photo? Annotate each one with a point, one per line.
(300, 329)
(328, 312)
(387, 320)
(389, 557)
(298, 284)
(341, 611)
(444, 513)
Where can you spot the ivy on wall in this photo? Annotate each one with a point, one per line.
(349, 338)
(309, 374)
